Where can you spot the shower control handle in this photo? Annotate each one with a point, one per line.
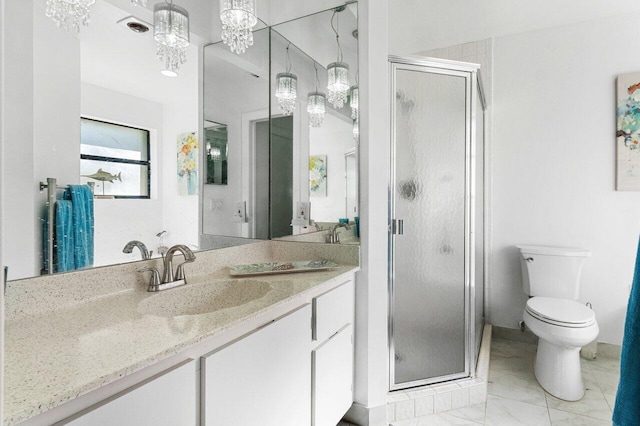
(529, 259)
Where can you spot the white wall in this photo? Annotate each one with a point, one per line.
(120, 221)
(371, 349)
(179, 212)
(554, 162)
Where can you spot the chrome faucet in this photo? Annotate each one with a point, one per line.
(168, 263)
(135, 243)
(169, 280)
(333, 236)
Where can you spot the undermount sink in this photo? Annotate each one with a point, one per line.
(197, 299)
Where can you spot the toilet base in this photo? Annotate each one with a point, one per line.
(558, 371)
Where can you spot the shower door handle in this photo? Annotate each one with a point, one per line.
(397, 227)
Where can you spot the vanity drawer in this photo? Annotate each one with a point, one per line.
(332, 311)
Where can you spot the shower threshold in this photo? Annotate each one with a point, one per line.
(440, 397)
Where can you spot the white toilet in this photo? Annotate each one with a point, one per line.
(551, 275)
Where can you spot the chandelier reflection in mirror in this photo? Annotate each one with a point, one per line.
(287, 88)
(238, 18)
(69, 14)
(316, 102)
(171, 33)
(353, 101)
(338, 72)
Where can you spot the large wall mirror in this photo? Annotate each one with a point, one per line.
(219, 109)
(279, 156)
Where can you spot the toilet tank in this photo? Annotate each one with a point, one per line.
(552, 271)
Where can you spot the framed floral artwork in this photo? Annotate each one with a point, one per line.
(188, 164)
(318, 175)
(628, 133)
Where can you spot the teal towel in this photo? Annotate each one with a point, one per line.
(64, 237)
(82, 212)
(627, 409)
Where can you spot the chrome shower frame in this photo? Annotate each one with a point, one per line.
(474, 94)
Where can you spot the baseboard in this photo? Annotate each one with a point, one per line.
(360, 415)
(515, 335)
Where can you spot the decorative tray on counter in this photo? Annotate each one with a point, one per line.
(281, 267)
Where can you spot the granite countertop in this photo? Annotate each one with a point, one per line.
(59, 355)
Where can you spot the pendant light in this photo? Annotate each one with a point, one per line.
(238, 18)
(338, 72)
(286, 88)
(171, 33)
(354, 95)
(316, 102)
(69, 14)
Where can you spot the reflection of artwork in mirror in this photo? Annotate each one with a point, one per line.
(187, 164)
(115, 158)
(216, 154)
(318, 175)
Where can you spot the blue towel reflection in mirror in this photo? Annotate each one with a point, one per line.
(73, 240)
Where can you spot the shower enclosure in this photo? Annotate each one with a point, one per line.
(436, 211)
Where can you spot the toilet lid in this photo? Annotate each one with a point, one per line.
(562, 312)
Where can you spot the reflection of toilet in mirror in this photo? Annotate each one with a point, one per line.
(551, 276)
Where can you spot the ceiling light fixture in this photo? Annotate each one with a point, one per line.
(238, 18)
(338, 72)
(287, 88)
(171, 33)
(353, 101)
(316, 102)
(69, 14)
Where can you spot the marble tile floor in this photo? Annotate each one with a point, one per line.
(515, 397)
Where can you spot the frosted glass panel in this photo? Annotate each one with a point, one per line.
(429, 287)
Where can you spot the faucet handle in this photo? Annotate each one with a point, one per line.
(155, 276)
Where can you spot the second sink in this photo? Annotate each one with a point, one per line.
(197, 299)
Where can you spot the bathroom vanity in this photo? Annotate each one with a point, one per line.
(94, 347)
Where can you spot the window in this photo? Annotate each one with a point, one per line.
(115, 158)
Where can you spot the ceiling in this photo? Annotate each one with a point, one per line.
(420, 25)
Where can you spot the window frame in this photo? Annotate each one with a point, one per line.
(123, 160)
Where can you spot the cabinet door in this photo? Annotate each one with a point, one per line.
(332, 364)
(332, 311)
(168, 399)
(263, 379)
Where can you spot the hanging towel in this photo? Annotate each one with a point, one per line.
(64, 237)
(82, 229)
(627, 409)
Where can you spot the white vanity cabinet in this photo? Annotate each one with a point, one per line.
(167, 399)
(332, 356)
(261, 379)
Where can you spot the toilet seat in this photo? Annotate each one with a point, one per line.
(560, 312)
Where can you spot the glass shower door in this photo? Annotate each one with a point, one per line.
(429, 315)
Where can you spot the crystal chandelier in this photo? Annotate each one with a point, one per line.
(142, 3)
(316, 102)
(286, 88)
(338, 72)
(69, 14)
(238, 18)
(353, 102)
(171, 33)
(316, 108)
